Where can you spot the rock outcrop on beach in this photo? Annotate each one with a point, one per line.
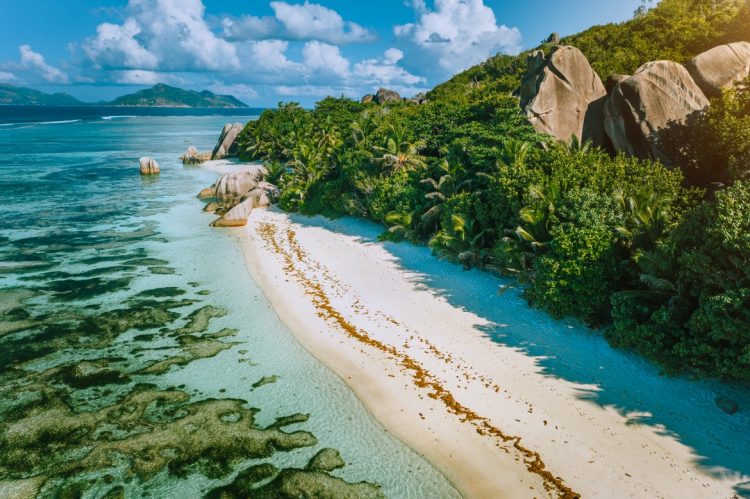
(149, 166)
(227, 145)
(232, 186)
(237, 215)
(194, 157)
(721, 67)
(234, 196)
(659, 95)
(563, 96)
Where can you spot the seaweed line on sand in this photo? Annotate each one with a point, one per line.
(422, 378)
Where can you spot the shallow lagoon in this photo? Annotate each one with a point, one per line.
(137, 357)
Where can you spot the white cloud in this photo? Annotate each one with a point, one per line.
(310, 21)
(385, 70)
(307, 21)
(115, 46)
(454, 35)
(314, 91)
(34, 61)
(6, 77)
(137, 77)
(241, 91)
(322, 58)
(250, 28)
(270, 56)
(170, 35)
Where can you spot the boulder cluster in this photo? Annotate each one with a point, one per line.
(234, 196)
(383, 96)
(564, 97)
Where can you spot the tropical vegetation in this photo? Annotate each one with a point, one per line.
(658, 258)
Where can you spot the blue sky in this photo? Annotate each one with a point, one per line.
(267, 51)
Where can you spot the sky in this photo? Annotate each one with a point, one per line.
(263, 52)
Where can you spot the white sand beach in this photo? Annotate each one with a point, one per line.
(505, 401)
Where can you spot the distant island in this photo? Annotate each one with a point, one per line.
(19, 96)
(159, 95)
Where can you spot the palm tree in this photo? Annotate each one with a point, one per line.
(463, 241)
(452, 181)
(399, 154)
(533, 236)
(362, 128)
(308, 165)
(513, 151)
(647, 215)
(399, 226)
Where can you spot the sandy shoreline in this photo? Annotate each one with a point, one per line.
(498, 397)
(346, 297)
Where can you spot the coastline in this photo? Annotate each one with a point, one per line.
(485, 414)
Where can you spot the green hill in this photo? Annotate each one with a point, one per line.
(161, 95)
(19, 96)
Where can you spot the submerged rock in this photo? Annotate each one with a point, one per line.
(659, 95)
(727, 405)
(326, 460)
(721, 67)
(149, 166)
(227, 145)
(563, 96)
(313, 481)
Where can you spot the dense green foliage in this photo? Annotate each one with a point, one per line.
(617, 242)
(164, 95)
(676, 30)
(715, 144)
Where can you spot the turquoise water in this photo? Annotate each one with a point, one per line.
(137, 357)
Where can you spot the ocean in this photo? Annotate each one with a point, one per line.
(137, 356)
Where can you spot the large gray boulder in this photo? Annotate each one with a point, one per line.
(227, 145)
(563, 96)
(659, 95)
(149, 166)
(233, 186)
(383, 95)
(720, 67)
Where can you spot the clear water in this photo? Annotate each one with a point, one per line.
(100, 265)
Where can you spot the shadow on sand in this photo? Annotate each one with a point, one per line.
(681, 408)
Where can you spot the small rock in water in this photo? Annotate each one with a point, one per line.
(727, 405)
(149, 166)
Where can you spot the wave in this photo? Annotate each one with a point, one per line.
(118, 117)
(55, 122)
